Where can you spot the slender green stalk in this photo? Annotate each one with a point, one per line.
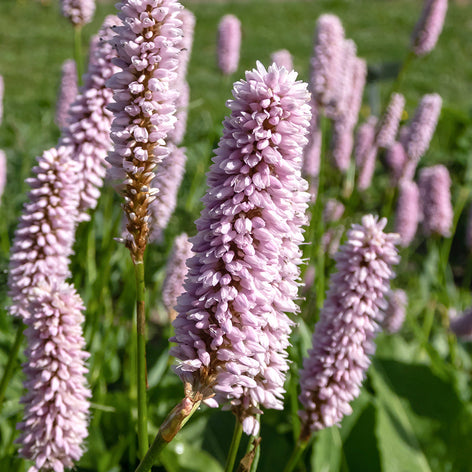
(233, 449)
(141, 359)
(169, 428)
(296, 455)
(401, 73)
(10, 367)
(78, 52)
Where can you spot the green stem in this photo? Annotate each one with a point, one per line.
(169, 428)
(233, 449)
(296, 455)
(78, 52)
(401, 74)
(10, 367)
(141, 358)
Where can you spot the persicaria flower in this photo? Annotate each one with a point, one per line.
(332, 213)
(326, 62)
(389, 125)
(89, 122)
(67, 92)
(56, 403)
(365, 152)
(461, 325)
(396, 160)
(282, 58)
(423, 126)
(168, 178)
(231, 330)
(46, 231)
(408, 211)
(145, 105)
(229, 44)
(429, 26)
(435, 193)
(79, 12)
(176, 271)
(395, 312)
(332, 373)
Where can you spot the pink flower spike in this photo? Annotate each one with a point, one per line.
(365, 152)
(389, 125)
(282, 58)
(229, 44)
(429, 26)
(89, 121)
(461, 325)
(79, 12)
(396, 160)
(144, 112)
(332, 373)
(408, 211)
(396, 311)
(176, 271)
(56, 414)
(232, 331)
(435, 194)
(67, 93)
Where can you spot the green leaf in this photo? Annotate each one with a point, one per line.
(183, 457)
(327, 451)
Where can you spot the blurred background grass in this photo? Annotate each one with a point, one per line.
(35, 40)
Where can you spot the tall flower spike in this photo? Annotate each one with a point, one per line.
(429, 26)
(168, 178)
(89, 123)
(408, 211)
(3, 172)
(332, 213)
(231, 330)
(145, 105)
(188, 26)
(461, 325)
(78, 12)
(282, 58)
(46, 231)
(365, 152)
(177, 134)
(423, 126)
(435, 192)
(229, 44)
(56, 404)
(312, 152)
(332, 373)
(326, 62)
(396, 311)
(67, 92)
(396, 160)
(176, 271)
(388, 126)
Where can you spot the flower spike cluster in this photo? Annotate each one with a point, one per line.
(232, 329)
(145, 105)
(56, 404)
(343, 339)
(429, 26)
(229, 44)
(89, 122)
(67, 92)
(79, 12)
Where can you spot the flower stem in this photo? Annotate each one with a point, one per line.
(141, 359)
(296, 455)
(10, 367)
(78, 52)
(169, 428)
(233, 449)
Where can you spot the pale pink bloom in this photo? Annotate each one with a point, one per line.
(429, 26)
(176, 271)
(343, 340)
(326, 62)
(67, 92)
(435, 193)
(79, 12)
(186, 44)
(342, 146)
(365, 152)
(332, 213)
(461, 325)
(408, 211)
(390, 122)
(312, 152)
(232, 330)
(309, 278)
(177, 134)
(56, 414)
(282, 58)
(396, 160)
(396, 311)
(168, 177)
(229, 44)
